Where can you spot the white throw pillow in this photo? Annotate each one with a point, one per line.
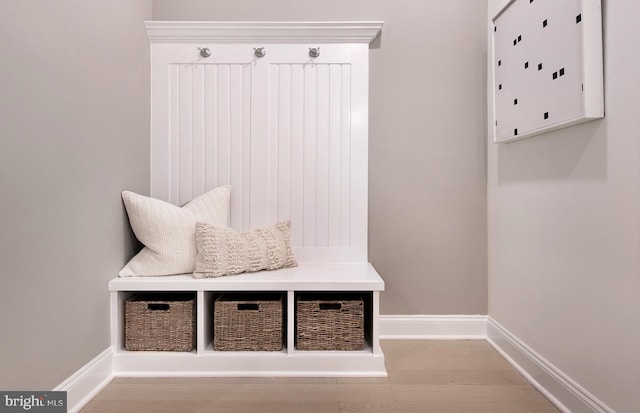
(223, 251)
(168, 232)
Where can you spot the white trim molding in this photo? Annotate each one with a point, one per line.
(555, 385)
(433, 327)
(560, 389)
(88, 381)
(264, 32)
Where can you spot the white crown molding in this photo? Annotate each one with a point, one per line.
(266, 32)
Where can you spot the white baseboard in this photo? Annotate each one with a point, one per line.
(433, 327)
(85, 383)
(560, 389)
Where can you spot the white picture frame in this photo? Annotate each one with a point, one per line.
(547, 66)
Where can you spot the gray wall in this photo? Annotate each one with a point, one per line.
(564, 231)
(427, 192)
(74, 118)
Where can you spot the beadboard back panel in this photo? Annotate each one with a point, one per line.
(288, 132)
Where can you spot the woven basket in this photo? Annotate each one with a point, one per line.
(160, 323)
(248, 323)
(329, 324)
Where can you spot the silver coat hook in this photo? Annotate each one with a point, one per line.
(314, 52)
(205, 52)
(259, 52)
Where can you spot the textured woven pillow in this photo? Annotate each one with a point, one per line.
(168, 231)
(223, 251)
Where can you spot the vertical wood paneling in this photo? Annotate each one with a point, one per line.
(335, 155)
(310, 151)
(259, 148)
(198, 186)
(224, 124)
(174, 126)
(185, 144)
(236, 156)
(273, 143)
(322, 157)
(346, 157)
(210, 133)
(232, 158)
(245, 188)
(279, 134)
(307, 173)
(297, 154)
(211, 127)
(285, 94)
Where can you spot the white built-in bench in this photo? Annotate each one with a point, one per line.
(204, 361)
(288, 130)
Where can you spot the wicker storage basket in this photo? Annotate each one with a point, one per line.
(160, 322)
(248, 323)
(330, 324)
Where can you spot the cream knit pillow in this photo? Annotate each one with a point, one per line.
(168, 231)
(223, 251)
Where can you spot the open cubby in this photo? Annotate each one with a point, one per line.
(327, 298)
(247, 300)
(326, 281)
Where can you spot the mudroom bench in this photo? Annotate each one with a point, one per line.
(324, 279)
(278, 111)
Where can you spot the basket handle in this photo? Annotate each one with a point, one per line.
(248, 306)
(330, 306)
(158, 307)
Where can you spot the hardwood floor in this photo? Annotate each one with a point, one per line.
(424, 376)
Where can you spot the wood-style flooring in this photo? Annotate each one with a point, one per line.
(424, 376)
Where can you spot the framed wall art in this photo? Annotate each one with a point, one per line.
(547, 66)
